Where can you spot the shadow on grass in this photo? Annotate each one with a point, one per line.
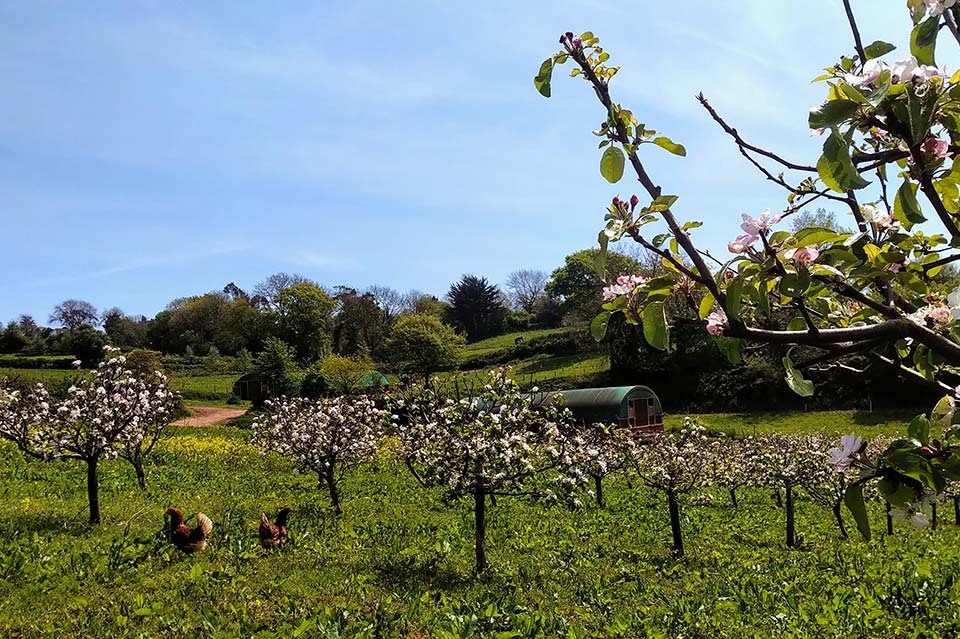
(18, 524)
(877, 418)
(416, 576)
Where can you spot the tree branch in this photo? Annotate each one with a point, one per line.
(856, 31)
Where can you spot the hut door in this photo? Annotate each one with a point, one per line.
(640, 410)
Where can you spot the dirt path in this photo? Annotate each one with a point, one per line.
(209, 415)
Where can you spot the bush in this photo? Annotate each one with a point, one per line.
(57, 362)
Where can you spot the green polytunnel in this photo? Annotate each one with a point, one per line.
(635, 407)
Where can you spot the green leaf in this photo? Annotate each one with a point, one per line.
(598, 327)
(655, 328)
(662, 203)
(877, 49)
(795, 284)
(831, 113)
(853, 498)
(670, 145)
(706, 305)
(906, 208)
(611, 164)
(797, 324)
(542, 79)
(836, 168)
(816, 235)
(730, 347)
(796, 382)
(919, 429)
(733, 294)
(923, 40)
(600, 261)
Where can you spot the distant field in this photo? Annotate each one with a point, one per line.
(206, 389)
(48, 376)
(502, 342)
(866, 424)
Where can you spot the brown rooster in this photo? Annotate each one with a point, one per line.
(187, 539)
(274, 535)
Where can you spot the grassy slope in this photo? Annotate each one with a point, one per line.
(502, 342)
(398, 562)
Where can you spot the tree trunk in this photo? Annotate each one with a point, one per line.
(733, 497)
(675, 525)
(493, 499)
(141, 475)
(933, 524)
(791, 532)
(889, 519)
(480, 527)
(93, 491)
(956, 510)
(598, 488)
(334, 493)
(837, 505)
(776, 496)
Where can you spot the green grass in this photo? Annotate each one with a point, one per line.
(502, 342)
(205, 389)
(398, 563)
(45, 375)
(866, 424)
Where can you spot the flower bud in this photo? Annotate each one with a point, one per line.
(634, 200)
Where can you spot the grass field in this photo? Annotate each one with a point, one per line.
(398, 562)
(502, 342)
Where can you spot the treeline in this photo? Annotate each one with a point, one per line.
(315, 321)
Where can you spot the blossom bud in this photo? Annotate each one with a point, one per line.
(577, 43)
(634, 200)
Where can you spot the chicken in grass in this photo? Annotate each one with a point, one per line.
(274, 535)
(189, 540)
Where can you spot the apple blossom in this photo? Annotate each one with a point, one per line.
(760, 224)
(803, 255)
(742, 243)
(873, 215)
(716, 322)
(625, 285)
(870, 72)
(326, 436)
(937, 148)
(111, 413)
(842, 458)
(501, 441)
(937, 7)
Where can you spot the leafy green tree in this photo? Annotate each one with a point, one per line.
(423, 344)
(819, 219)
(305, 320)
(124, 331)
(579, 286)
(12, 339)
(424, 304)
(361, 324)
(344, 375)
(476, 307)
(277, 365)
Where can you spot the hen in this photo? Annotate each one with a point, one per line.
(187, 539)
(274, 535)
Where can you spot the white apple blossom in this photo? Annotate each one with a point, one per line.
(111, 413)
(500, 442)
(326, 436)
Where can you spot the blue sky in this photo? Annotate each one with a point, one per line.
(151, 150)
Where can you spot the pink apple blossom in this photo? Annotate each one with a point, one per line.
(741, 243)
(716, 322)
(759, 224)
(937, 148)
(803, 255)
(874, 215)
(937, 7)
(624, 285)
(843, 457)
(871, 71)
